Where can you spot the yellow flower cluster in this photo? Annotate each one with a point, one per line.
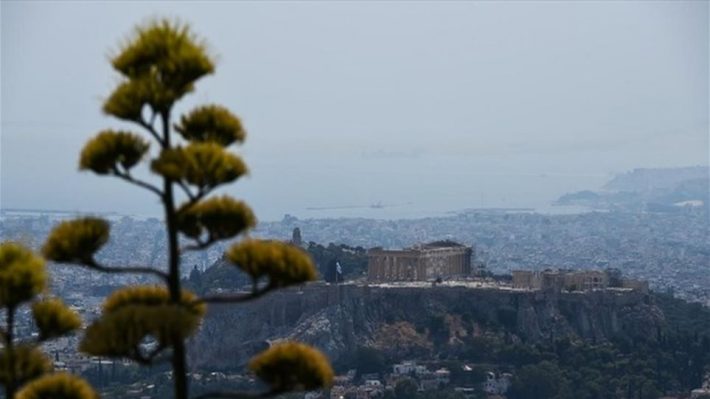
(134, 313)
(292, 366)
(109, 148)
(57, 386)
(54, 318)
(22, 278)
(161, 63)
(281, 263)
(212, 123)
(76, 240)
(22, 364)
(129, 98)
(167, 46)
(205, 165)
(219, 217)
(22, 274)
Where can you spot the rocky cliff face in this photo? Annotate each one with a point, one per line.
(413, 322)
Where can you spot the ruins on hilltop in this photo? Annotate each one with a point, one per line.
(573, 280)
(424, 262)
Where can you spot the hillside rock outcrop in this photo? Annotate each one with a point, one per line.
(409, 322)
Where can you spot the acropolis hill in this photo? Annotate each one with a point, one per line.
(395, 318)
(392, 307)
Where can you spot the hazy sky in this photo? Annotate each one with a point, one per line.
(430, 106)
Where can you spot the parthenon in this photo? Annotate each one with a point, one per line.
(440, 259)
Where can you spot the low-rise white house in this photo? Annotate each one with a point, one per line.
(409, 367)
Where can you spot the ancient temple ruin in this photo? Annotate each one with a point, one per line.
(425, 262)
(572, 280)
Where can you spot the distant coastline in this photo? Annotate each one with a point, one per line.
(662, 187)
(61, 214)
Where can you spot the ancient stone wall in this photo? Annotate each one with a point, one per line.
(558, 280)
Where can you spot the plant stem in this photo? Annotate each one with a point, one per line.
(178, 358)
(11, 386)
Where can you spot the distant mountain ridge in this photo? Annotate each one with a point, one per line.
(666, 190)
(646, 180)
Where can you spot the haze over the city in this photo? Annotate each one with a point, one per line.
(422, 106)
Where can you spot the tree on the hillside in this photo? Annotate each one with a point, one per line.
(537, 381)
(369, 360)
(406, 389)
(159, 65)
(25, 372)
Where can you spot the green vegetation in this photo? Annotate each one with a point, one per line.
(368, 360)
(630, 369)
(353, 260)
(159, 65)
(23, 366)
(669, 361)
(566, 369)
(407, 389)
(353, 263)
(683, 317)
